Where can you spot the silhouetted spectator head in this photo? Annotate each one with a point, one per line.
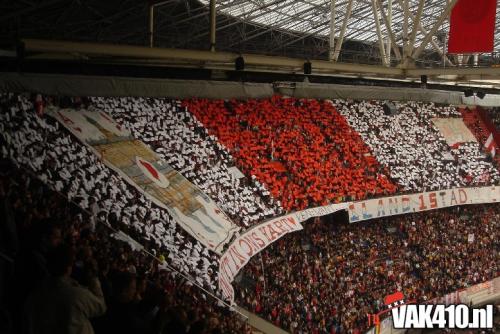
(198, 327)
(177, 320)
(49, 234)
(60, 260)
(124, 287)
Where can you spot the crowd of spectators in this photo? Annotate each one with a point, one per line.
(40, 145)
(295, 153)
(412, 148)
(302, 150)
(475, 124)
(495, 117)
(183, 142)
(69, 274)
(328, 277)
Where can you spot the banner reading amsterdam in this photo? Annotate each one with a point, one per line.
(402, 204)
(143, 169)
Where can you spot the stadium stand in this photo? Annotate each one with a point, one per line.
(181, 140)
(475, 124)
(112, 287)
(40, 145)
(413, 150)
(328, 277)
(302, 150)
(249, 167)
(495, 117)
(295, 154)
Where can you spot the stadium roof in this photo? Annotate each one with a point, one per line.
(294, 28)
(312, 17)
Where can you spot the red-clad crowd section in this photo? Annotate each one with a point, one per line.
(302, 150)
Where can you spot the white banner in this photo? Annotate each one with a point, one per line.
(259, 237)
(454, 130)
(396, 205)
(140, 166)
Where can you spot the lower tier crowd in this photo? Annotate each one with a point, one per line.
(61, 271)
(37, 143)
(321, 280)
(328, 277)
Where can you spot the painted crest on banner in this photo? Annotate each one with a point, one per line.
(152, 173)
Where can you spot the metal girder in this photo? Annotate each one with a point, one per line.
(332, 29)
(406, 12)
(389, 42)
(444, 15)
(338, 45)
(296, 17)
(119, 14)
(193, 15)
(263, 26)
(470, 72)
(304, 36)
(265, 31)
(379, 33)
(207, 59)
(282, 18)
(416, 24)
(197, 57)
(362, 16)
(26, 10)
(433, 43)
(235, 20)
(213, 22)
(390, 32)
(152, 19)
(424, 33)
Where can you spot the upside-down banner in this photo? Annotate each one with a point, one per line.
(402, 204)
(454, 130)
(259, 237)
(142, 168)
(472, 26)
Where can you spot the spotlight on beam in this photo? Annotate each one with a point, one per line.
(481, 94)
(239, 64)
(307, 67)
(468, 93)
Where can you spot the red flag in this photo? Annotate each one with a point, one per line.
(392, 299)
(472, 26)
(490, 145)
